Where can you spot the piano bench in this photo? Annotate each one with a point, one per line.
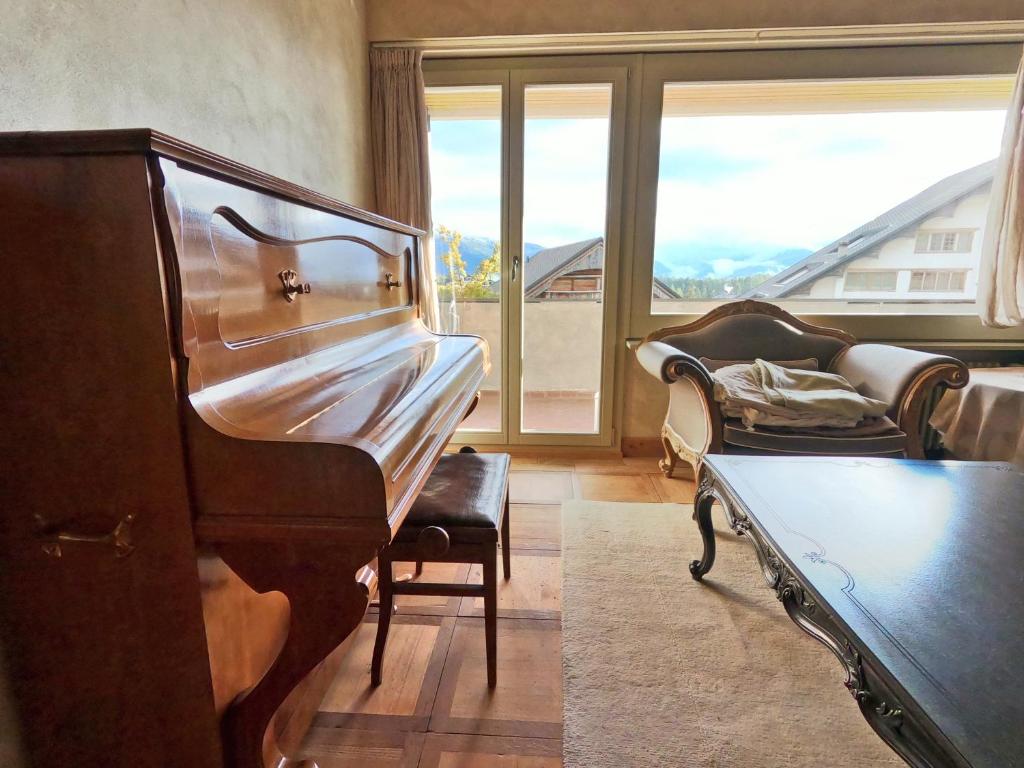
(457, 518)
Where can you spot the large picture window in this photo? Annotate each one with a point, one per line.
(836, 195)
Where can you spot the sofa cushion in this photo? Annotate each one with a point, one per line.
(883, 438)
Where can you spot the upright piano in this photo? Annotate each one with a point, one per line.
(218, 389)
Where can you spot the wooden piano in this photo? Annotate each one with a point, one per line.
(217, 389)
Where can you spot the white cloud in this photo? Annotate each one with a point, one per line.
(466, 191)
(564, 180)
(804, 180)
(788, 180)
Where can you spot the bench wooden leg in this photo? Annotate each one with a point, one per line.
(387, 608)
(491, 611)
(506, 547)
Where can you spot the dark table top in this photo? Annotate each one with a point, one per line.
(922, 563)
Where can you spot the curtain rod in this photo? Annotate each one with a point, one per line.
(717, 39)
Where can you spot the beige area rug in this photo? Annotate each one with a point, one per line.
(662, 671)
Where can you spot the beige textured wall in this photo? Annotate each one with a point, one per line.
(410, 19)
(281, 85)
(645, 402)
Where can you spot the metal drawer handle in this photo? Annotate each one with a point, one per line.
(390, 282)
(292, 286)
(120, 538)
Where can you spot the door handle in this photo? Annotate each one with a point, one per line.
(515, 266)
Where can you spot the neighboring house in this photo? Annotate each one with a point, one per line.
(926, 248)
(574, 272)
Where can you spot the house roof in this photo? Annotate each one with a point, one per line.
(548, 264)
(874, 233)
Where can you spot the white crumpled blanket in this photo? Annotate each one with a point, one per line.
(770, 395)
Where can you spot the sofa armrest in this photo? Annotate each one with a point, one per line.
(904, 378)
(693, 424)
(665, 362)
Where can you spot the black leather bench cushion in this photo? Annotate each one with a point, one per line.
(891, 441)
(465, 490)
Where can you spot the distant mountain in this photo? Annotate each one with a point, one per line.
(473, 250)
(704, 260)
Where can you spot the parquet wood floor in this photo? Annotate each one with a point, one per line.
(434, 709)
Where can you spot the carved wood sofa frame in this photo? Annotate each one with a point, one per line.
(743, 330)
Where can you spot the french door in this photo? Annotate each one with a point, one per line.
(526, 176)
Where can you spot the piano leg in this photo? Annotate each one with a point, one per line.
(327, 603)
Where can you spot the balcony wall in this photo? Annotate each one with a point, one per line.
(562, 342)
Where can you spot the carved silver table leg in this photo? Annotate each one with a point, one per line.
(702, 512)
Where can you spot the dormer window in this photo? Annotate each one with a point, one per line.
(944, 241)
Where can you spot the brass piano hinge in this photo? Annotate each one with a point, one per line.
(120, 537)
(292, 286)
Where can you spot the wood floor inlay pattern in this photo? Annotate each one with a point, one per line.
(615, 487)
(533, 592)
(433, 709)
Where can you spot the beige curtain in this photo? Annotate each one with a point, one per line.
(1001, 276)
(398, 114)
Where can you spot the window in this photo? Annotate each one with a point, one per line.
(576, 285)
(956, 241)
(938, 280)
(526, 176)
(566, 150)
(465, 167)
(870, 281)
(803, 191)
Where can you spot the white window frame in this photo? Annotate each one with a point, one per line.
(921, 321)
(962, 240)
(632, 281)
(947, 273)
(516, 74)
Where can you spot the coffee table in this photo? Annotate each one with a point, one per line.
(911, 573)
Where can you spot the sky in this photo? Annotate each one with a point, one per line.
(757, 185)
(564, 188)
(734, 191)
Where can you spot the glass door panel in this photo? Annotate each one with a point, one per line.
(466, 200)
(566, 139)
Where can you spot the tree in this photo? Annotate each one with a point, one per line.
(479, 286)
(713, 287)
(458, 282)
(453, 258)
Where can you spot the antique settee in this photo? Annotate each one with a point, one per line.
(683, 358)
